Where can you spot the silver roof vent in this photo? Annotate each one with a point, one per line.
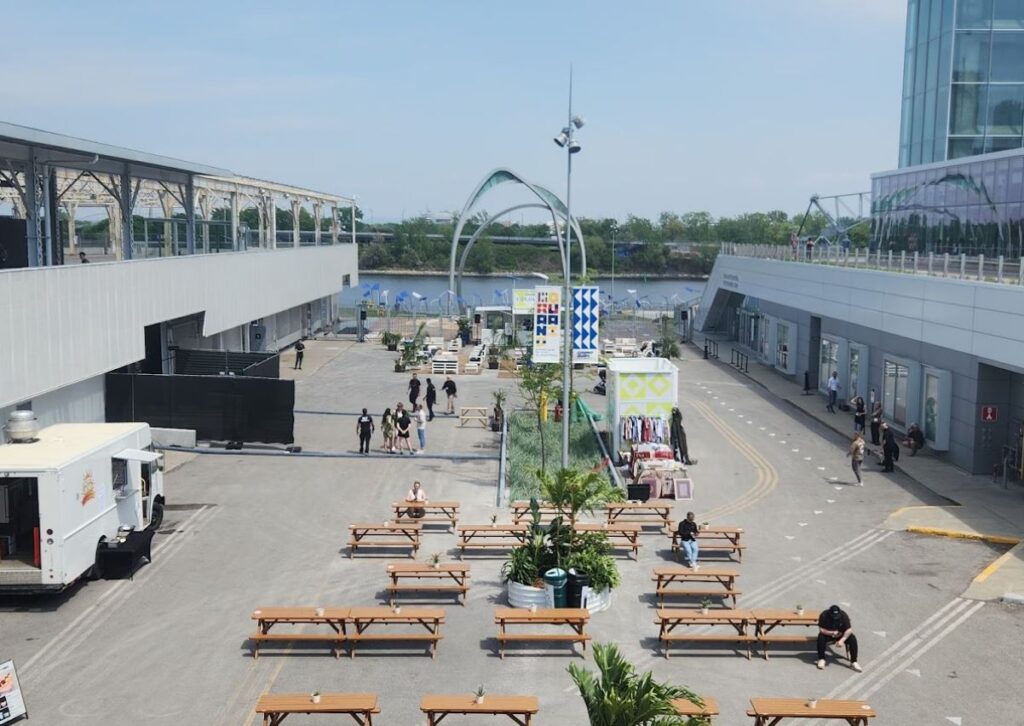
(22, 427)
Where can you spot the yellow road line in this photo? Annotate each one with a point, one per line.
(938, 532)
(993, 566)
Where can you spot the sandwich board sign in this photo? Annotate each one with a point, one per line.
(12, 704)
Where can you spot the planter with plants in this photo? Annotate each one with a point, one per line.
(435, 560)
(315, 697)
(705, 604)
(799, 609)
(478, 695)
(498, 417)
(390, 340)
(465, 329)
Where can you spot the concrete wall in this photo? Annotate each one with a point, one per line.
(62, 325)
(82, 402)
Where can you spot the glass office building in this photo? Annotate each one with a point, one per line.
(963, 79)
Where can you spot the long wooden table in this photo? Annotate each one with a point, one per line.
(446, 578)
(649, 512)
(521, 511)
(269, 617)
(433, 512)
(521, 709)
(620, 535)
(275, 707)
(490, 536)
(387, 535)
(723, 577)
(769, 711)
(671, 619)
(767, 620)
(575, 618)
(714, 539)
(685, 707)
(362, 619)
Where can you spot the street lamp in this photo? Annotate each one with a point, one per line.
(566, 140)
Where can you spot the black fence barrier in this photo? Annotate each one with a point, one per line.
(740, 361)
(219, 408)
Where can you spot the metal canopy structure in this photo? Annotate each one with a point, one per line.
(42, 171)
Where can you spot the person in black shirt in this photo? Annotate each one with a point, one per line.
(449, 388)
(860, 415)
(915, 439)
(677, 435)
(402, 427)
(688, 530)
(299, 348)
(890, 449)
(414, 390)
(431, 399)
(364, 427)
(834, 628)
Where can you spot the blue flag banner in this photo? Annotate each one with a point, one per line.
(586, 312)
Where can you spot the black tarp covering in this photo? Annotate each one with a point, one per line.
(219, 408)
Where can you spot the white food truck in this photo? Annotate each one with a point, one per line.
(68, 491)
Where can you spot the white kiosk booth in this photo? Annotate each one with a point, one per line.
(642, 390)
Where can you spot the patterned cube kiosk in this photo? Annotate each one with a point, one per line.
(640, 387)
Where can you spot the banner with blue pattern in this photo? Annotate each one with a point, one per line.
(586, 313)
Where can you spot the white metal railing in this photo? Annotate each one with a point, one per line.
(1007, 271)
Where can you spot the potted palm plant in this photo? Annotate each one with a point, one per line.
(465, 329)
(315, 697)
(390, 340)
(478, 695)
(435, 560)
(705, 604)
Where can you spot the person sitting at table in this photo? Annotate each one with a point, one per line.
(915, 439)
(834, 628)
(688, 530)
(416, 494)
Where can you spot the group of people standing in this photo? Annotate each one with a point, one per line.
(396, 425)
(881, 433)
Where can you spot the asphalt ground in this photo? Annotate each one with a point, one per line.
(244, 532)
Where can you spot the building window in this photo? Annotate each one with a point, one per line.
(782, 346)
(854, 371)
(931, 407)
(894, 391)
(827, 362)
(346, 281)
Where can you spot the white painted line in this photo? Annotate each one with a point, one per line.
(821, 468)
(821, 582)
(879, 633)
(796, 451)
(844, 604)
(802, 524)
(749, 421)
(796, 558)
(955, 720)
(838, 489)
(807, 458)
(731, 410)
(831, 501)
(834, 478)
(771, 434)
(914, 672)
(817, 511)
(789, 536)
(761, 429)
(782, 442)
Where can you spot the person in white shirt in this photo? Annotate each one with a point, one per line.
(421, 427)
(416, 494)
(833, 391)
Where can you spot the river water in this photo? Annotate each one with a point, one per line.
(652, 292)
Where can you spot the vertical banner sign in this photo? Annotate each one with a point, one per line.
(12, 705)
(524, 302)
(586, 309)
(547, 325)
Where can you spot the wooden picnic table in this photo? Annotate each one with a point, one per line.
(453, 577)
(275, 707)
(649, 512)
(362, 619)
(713, 539)
(738, 619)
(685, 707)
(490, 536)
(521, 709)
(620, 535)
(479, 414)
(521, 511)
(769, 711)
(767, 620)
(433, 512)
(389, 534)
(724, 577)
(575, 618)
(268, 617)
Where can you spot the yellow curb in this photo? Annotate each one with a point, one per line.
(993, 566)
(992, 538)
(895, 512)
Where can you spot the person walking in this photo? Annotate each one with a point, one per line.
(890, 449)
(832, 385)
(387, 428)
(834, 628)
(856, 454)
(414, 390)
(876, 422)
(688, 530)
(300, 348)
(860, 414)
(431, 399)
(402, 426)
(364, 428)
(421, 427)
(451, 391)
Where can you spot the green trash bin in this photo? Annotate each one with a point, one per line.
(555, 583)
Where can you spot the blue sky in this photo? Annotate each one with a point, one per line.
(722, 105)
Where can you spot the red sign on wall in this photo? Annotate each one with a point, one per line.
(989, 414)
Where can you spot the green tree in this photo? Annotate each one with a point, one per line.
(537, 385)
(573, 491)
(619, 696)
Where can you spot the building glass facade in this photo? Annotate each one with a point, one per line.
(963, 79)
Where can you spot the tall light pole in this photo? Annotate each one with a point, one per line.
(566, 140)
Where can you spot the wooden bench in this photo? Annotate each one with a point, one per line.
(520, 709)
(575, 618)
(444, 365)
(521, 512)
(685, 707)
(433, 512)
(387, 535)
(738, 619)
(478, 414)
(644, 513)
(620, 536)
(713, 539)
(268, 618)
(769, 711)
(362, 619)
(275, 707)
(454, 579)
(723, 577)
(490, 536)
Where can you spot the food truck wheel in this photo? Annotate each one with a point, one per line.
(157, 516)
